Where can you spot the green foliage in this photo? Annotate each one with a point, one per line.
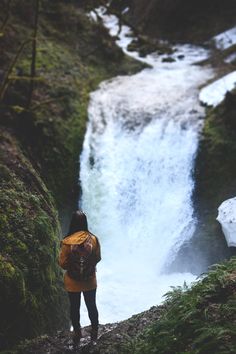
(196, 320)
(215, 176)
(30, 280)
(215, 170)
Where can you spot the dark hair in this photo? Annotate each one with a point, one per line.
(78, 222)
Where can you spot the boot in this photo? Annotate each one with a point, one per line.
(76, 337)
(94, 333)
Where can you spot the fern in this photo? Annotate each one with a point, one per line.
(197, 320)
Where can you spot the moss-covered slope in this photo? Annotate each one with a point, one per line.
(31, 293)
(215, 181)
(215, 176)
(216, 161)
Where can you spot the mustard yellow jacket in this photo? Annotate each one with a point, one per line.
(72, 285)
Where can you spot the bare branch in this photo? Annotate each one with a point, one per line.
(34, 52)
(5, 21)
(6, 80)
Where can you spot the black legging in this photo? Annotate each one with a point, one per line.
(90, 301)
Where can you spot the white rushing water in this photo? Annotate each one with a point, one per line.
(136, 179)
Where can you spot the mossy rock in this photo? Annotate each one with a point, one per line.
(215, 176)
(145, 45)
(215, 181)
(32, 299)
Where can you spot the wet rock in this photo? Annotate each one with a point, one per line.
(111, 337)
(145, 45)
(168, 60)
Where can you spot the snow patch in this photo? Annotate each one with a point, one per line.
(230, 58)
(93, 16)
(225, 39)
(214, 94)
(227, 219)
(125, 10)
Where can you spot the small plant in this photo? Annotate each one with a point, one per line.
(197, 320)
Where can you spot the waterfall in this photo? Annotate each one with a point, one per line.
(136, 179)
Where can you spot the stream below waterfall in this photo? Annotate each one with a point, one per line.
(136, 177)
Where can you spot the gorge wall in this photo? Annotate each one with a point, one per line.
(182, 20)
(215, 175)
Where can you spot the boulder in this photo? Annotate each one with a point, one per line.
(227, 219)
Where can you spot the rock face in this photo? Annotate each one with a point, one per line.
(215, 181)
(32, 299)
(227, 219)
(183, 19)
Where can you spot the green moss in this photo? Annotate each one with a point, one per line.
(197, 320)
(216, 161)
(215, 176)
(30, 281)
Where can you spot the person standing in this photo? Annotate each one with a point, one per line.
(79, 254)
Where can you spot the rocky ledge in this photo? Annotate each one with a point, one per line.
(112, 338)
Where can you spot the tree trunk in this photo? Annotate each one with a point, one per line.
(34, 52)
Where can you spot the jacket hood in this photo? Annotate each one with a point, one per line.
(77, 238)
